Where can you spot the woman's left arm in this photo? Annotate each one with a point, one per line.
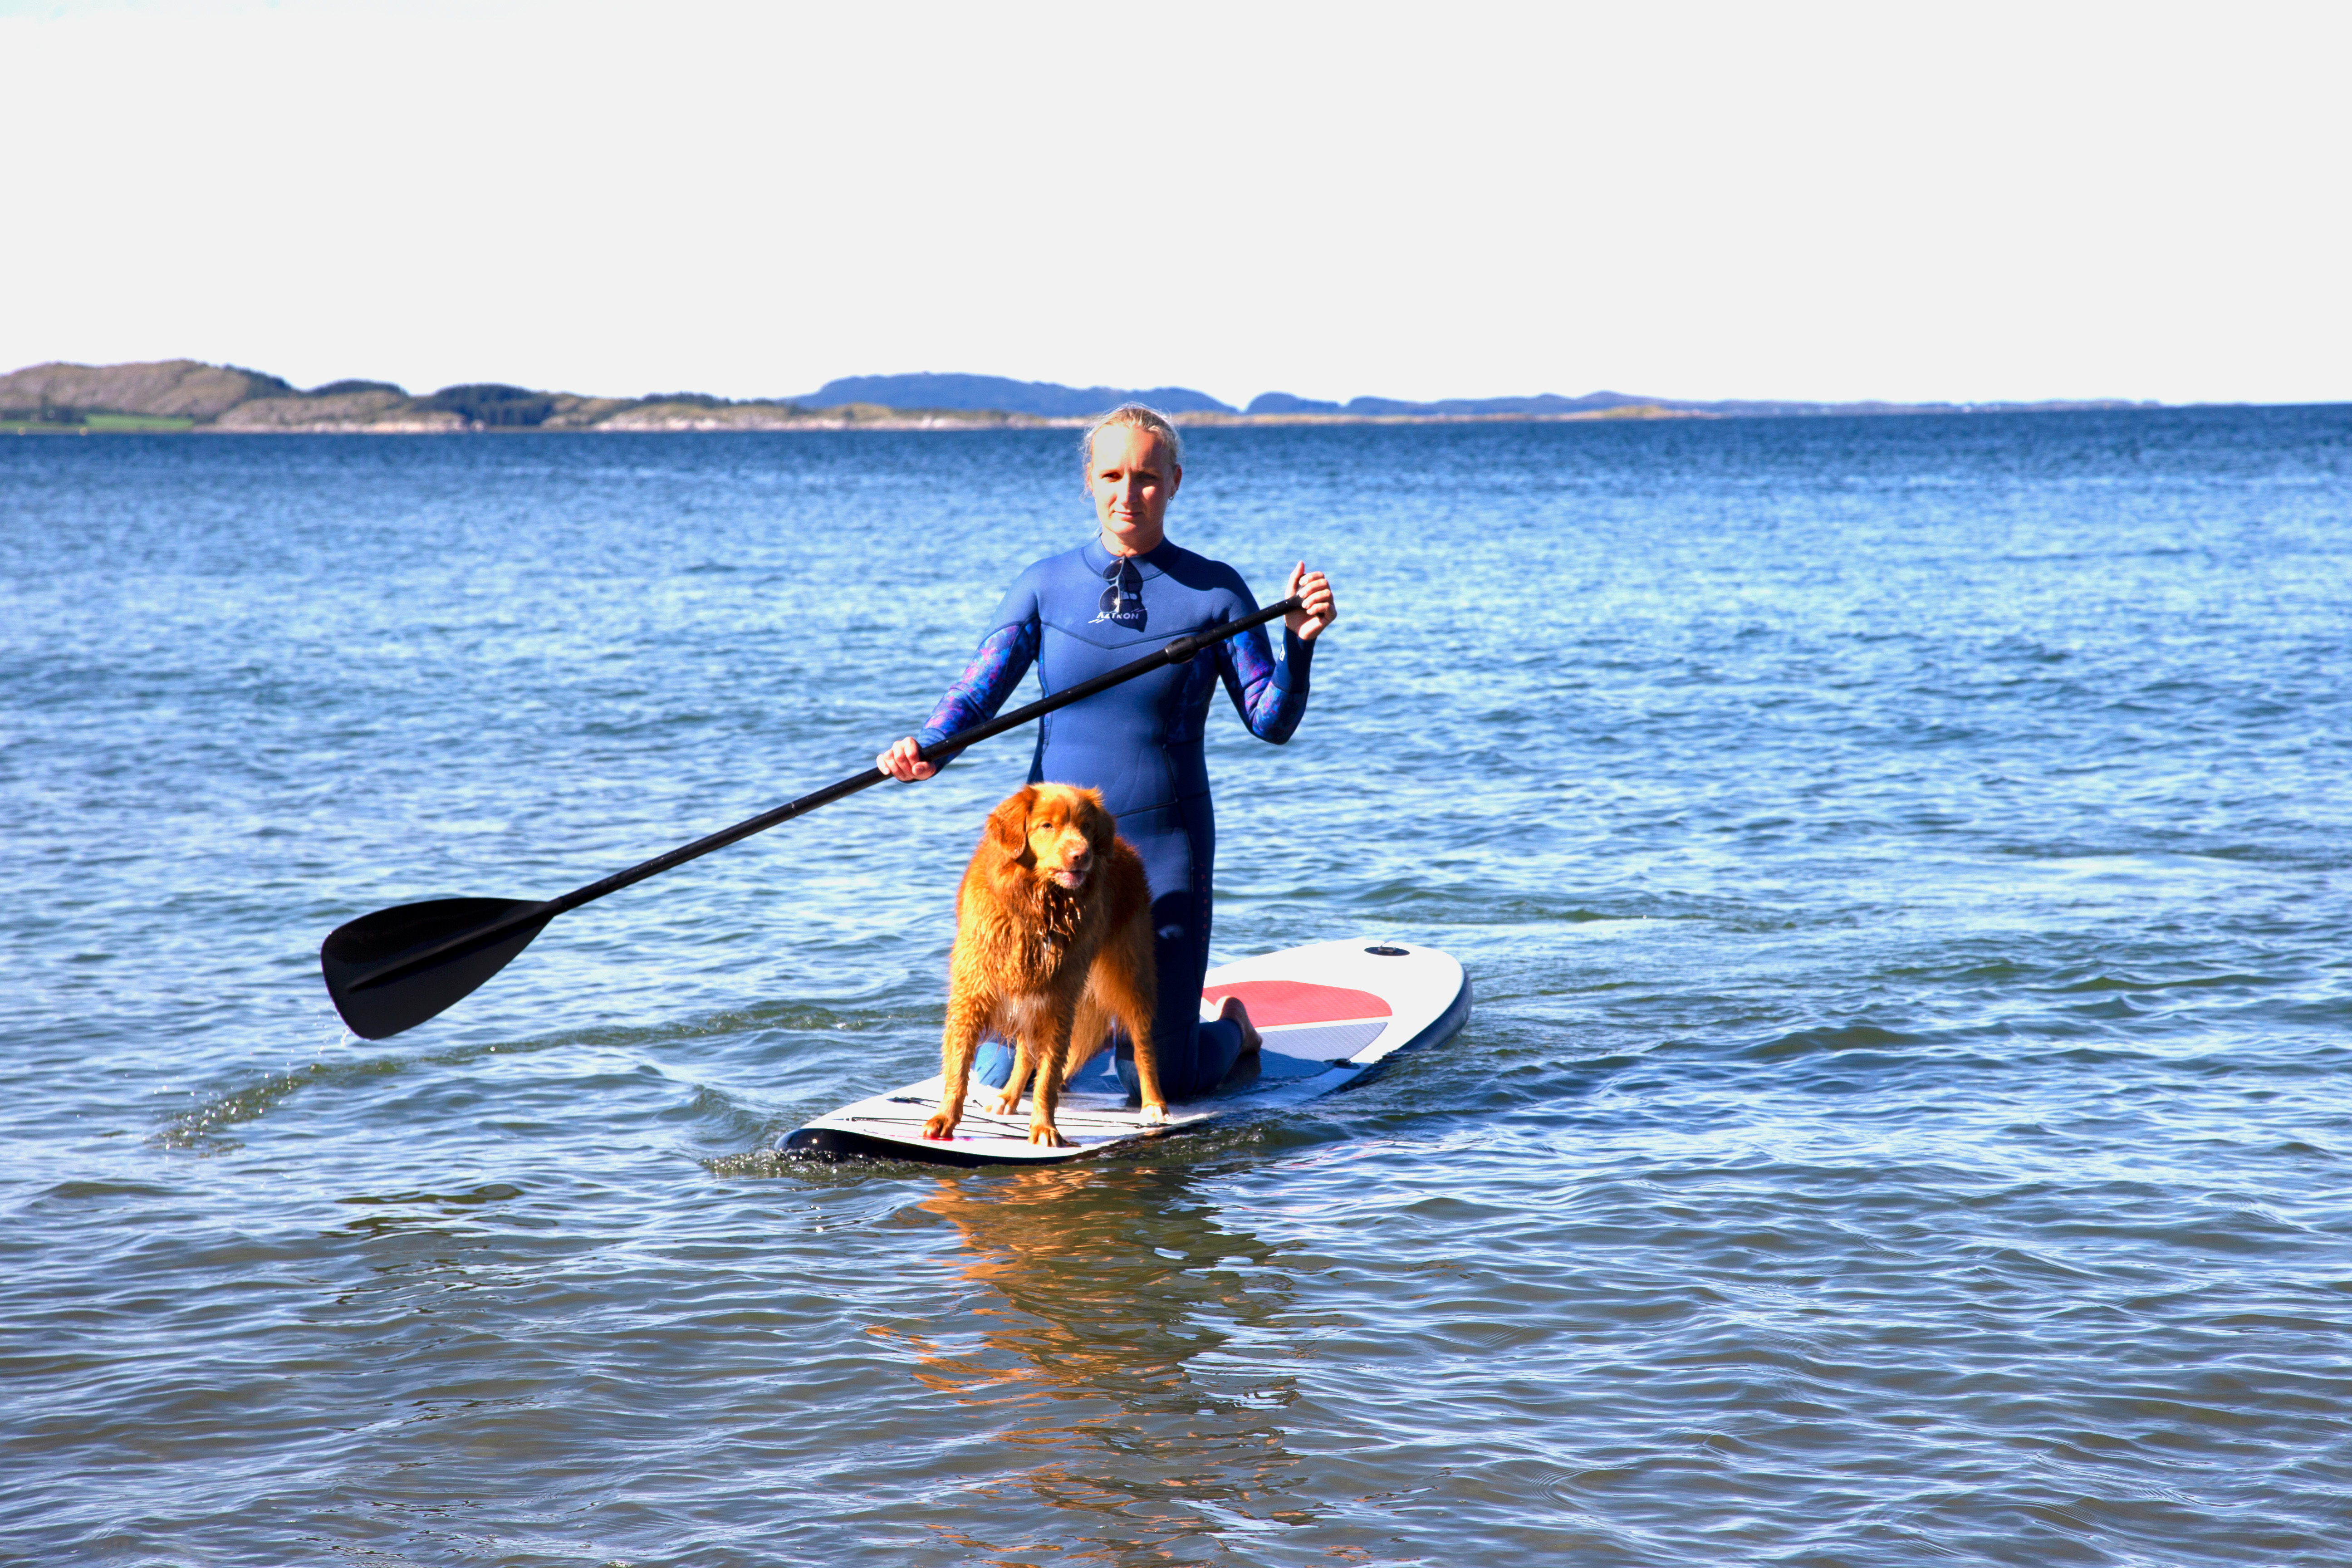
(1270, 694)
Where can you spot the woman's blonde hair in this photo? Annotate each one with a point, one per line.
(1143, 417)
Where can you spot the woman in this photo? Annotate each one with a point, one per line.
(1078, 614)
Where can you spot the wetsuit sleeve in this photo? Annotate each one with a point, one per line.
(1004, 657)
(1270, 694)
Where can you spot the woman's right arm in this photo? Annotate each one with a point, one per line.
(994, 673)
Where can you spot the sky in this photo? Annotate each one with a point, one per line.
(1955, 202)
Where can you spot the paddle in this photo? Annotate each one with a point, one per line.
(393, 969)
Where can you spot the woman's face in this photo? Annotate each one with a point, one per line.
(1131, 479)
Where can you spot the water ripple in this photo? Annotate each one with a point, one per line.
(1901, 864)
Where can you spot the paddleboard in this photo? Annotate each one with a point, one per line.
(1330, 1013)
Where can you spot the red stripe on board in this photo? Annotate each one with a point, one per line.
(1272, 1002)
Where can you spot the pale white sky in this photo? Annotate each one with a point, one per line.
(1966, 201)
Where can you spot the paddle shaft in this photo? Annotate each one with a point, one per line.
(1176, 652)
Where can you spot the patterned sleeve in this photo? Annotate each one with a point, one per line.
(1270, 694)
(994, 672)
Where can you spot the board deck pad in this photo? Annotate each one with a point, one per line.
(1330, 1013)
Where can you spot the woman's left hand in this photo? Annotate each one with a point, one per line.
(1313, 590)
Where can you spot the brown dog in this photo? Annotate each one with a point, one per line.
(1053, 944)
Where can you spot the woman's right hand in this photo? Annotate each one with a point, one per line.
(901, 763)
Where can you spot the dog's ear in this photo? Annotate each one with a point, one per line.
(1008, 824)
(1101, 826)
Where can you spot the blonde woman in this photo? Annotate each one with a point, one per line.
(1128, 591)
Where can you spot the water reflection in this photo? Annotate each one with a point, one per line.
(1125, 1352)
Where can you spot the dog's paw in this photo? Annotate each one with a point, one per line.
(941, 1125)
(1156, 1115)
(1003, 1104)
(1046, 1136)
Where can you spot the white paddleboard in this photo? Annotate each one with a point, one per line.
(1329, 1014)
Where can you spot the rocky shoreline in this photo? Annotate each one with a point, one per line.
(173, 395)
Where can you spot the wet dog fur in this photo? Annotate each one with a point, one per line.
(1053, 945)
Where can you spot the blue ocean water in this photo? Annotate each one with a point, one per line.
(1902, 862)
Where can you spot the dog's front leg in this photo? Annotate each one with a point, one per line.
(967, 1015)
(1131, 993)
(1008, 1099)
(1147, 1070)
(1052, 1067)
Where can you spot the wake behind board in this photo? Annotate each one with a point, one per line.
(1330, 1013)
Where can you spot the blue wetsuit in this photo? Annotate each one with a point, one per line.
(1079, 615)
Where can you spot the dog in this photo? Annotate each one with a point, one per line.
(1053, 945)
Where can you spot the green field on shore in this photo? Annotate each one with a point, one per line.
(90, 422)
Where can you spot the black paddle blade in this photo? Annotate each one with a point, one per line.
(380, 980)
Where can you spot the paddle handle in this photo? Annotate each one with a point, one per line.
(1176, 652)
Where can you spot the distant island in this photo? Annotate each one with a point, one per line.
(189, 395)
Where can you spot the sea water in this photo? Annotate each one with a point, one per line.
(1902, 865)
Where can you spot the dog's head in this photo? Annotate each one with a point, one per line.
(1059, 832)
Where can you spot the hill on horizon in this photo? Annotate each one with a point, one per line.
(179, 395)
(1047, 399)
(1543, 403)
